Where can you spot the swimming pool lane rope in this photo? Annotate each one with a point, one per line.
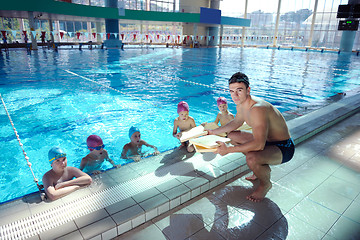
(22, 148)
(116, 90)
(193, 83)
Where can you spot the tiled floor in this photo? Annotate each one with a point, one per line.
(314, 196)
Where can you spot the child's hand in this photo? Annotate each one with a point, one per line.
(136, 158)
(96, 172)
(203, 124)
(156, 151)
(59, 185)
(178, 135)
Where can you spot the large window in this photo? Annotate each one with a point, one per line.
(295, 22)
(151, 5)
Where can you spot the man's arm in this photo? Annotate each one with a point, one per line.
(260, 127)
(230, 126)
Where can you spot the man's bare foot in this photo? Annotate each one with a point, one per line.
(182, 145)
(259, 193)
(251, 178)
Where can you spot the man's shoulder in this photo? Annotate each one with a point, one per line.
(259, 104)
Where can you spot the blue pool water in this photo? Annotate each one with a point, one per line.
(60, 98)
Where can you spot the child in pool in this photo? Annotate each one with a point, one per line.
(184, 122)
(61, 179)
(132, 150)
(93, 161)
(224, 116)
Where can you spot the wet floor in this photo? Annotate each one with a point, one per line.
(314, 196)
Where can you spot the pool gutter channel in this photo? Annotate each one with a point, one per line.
(108, 212)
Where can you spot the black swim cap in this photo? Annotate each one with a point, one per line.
(239, 77)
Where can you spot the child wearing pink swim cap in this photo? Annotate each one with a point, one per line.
(224, 116)
(184, 123)
(93, 161)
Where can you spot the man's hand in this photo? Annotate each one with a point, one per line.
(222, 149)
(210, 132)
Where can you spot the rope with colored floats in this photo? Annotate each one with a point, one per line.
(116, 90)
(193, 83)
(22, 148)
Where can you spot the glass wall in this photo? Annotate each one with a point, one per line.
(294, 28)
(295, 22)
(144, 5)
(76, 31)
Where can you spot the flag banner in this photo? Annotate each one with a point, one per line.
(3, 33)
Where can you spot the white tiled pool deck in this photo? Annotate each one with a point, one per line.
(314, 196)
(177, 196)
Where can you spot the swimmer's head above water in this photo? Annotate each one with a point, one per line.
(221, 100)
(94, 142)
(182, 106)
(183, 110)
(222, 104)
(134, 135)
(55, 153)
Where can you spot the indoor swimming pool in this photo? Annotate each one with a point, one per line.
(60, 98)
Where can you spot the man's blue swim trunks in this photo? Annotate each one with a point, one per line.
(287, 148)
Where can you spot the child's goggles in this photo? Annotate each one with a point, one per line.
(98, 147)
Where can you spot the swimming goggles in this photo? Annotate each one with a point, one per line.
(98, 147)
(58, 156)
